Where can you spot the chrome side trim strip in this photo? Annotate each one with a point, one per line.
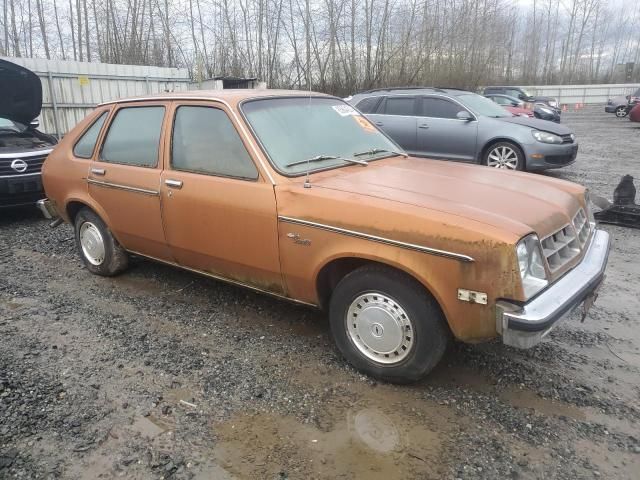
(37, 153)
(122, 187)
(224, 279)
(374, 238)
(22, 175)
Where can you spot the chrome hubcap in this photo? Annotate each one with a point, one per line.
(503, 157)
(92, 243)
(379, 328)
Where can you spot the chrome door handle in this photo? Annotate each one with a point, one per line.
(98, 171)
(173, 183)
(423, 125)
(380, 124)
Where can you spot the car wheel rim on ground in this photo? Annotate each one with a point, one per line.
(503, 157)
(379, 328)
(92, 243)
(621, 112)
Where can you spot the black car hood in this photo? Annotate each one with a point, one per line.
(21, 93)
(543, 125)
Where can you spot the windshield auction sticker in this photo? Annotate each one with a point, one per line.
(345, 110)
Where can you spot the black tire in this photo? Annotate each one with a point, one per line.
(115, 258)
(521, 162)
(430, 331)
(622, 111)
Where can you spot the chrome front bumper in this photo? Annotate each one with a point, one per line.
(524, 326)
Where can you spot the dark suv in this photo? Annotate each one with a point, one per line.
(521, 94)
(23, 148)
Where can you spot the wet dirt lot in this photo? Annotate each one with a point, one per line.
(160, 373)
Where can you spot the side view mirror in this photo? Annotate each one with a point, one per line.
(34, 124)
(464, 115)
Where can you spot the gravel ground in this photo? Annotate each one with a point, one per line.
(159, 373)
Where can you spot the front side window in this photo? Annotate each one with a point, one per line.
(322, 130)
(400, 106)
(501, 100)
(86, 145)
(439, 108)
(134, 136)
(205, 141)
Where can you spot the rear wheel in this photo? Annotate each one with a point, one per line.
(99, 250)
(386, 325)
(504, 155)
(621, 112)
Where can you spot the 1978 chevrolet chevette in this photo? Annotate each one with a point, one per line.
(299, 196)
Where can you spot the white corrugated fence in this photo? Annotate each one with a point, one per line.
(71, 89)
(587, 94)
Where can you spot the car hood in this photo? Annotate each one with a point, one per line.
(21, 93)
(515, 202)
(538, 124)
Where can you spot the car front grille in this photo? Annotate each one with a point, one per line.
(564, 245)
(34, 164)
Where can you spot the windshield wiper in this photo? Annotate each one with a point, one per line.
(373, 151)
(319, 158)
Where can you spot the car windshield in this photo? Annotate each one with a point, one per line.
(482, 106)
(325, 130)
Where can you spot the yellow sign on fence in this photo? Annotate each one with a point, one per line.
(83, 80)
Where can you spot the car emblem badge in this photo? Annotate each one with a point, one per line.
(19, 165)
(300, 241)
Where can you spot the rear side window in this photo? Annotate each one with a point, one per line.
(400, 106)
(205, 141)
(439, 108)
(86, 145)
(368, 105)
(134, 136)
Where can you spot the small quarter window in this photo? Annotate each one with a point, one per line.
(205, 141)
(134, 136)
(369, 104)
(86, 145)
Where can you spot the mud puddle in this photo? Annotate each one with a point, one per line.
(367, 443)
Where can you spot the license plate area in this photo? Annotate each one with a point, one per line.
(16, 186)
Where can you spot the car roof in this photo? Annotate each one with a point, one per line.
(233, 96)
(413, 90)
(503, 86)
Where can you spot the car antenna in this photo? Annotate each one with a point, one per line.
(307, 180)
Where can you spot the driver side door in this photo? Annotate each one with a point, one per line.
(441, 134)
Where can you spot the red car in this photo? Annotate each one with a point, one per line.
(634, 114)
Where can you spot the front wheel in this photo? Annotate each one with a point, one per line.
(621, 112)
(504, 155)
(386, 325)
(98, 248)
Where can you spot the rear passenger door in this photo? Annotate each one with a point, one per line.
(441, 134)
(396, 116)
(124, 180)
(218, 209)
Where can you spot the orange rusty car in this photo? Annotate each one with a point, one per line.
(299, 196)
